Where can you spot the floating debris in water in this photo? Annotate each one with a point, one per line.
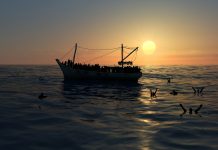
(42, 96)
(169, 80)
(173, 92)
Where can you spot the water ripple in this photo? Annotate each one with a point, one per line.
(96, 115)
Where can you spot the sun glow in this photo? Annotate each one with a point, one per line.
(149, 47)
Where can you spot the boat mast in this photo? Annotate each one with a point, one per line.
(74, 55)
(122, 59)
(122, 55)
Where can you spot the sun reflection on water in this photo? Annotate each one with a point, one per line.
(148, 121)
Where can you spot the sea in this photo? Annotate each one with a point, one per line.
(102, 115)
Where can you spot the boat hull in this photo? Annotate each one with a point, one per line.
(72, 74)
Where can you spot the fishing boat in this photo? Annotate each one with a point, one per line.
(124, 71)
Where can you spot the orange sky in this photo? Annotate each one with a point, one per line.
(185, 32)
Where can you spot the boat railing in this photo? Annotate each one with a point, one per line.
(98, 68)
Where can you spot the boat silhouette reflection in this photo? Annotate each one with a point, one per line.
(79, 90)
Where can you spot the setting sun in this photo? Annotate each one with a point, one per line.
(149, 47)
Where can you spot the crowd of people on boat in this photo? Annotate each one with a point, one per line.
(98, 68)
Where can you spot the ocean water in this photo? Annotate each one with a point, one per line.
(110, 115)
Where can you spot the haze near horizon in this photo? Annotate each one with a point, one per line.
(37, 32)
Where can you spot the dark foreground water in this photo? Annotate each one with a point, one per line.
(97, 115)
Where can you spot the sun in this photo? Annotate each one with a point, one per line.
(149, 47)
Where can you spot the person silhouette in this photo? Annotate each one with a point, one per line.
(153, 94)
(198, 90)
(42, 96)
(168, 80)
(190, 110)
(173, 92)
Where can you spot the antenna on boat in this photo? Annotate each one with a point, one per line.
(122, 62)
(74, 55)
(122, 55)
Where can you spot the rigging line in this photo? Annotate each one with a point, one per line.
(66, 53)
(97, 48)
(128, 47)
(125, 52)
(101, 56)
(134, 57)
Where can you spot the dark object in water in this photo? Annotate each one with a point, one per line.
(198, 90)
(173, 92)
(153, 94)
(41, 79)
(190, 110)
(168, 80)
(42, 96)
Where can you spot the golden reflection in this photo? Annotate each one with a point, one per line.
(148, 121)
(148, 102)
(145, 97)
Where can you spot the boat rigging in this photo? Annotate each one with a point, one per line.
(122, 62)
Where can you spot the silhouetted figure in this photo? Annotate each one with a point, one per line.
(190, 110)
(196, 111)
(41, 79)
(168, 80)
(198, 90)
(153, 94)
(42, 96)
(173, 92)
(98, 68)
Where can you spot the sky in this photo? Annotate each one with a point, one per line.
(38, 31)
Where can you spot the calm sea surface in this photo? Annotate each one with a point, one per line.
(97, 115)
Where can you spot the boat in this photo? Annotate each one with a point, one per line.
(125, 71)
